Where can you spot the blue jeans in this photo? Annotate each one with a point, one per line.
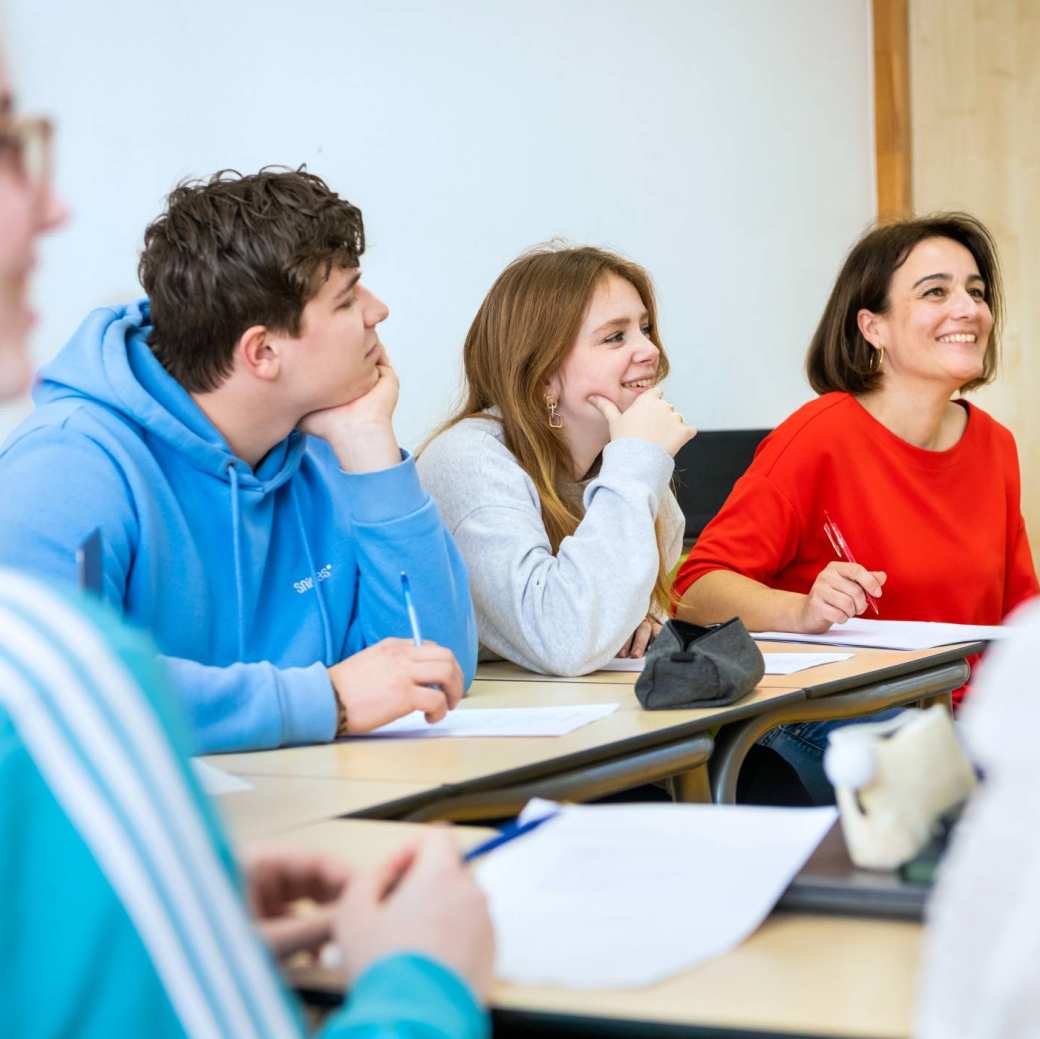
(801, 745)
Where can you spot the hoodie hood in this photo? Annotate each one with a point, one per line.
(108, 361)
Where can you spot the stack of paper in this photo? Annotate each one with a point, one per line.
(626, 895)
(504, 721)
(893, 634)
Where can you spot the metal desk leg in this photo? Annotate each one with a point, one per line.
(734, 741)
(692, 787)
(582, 784)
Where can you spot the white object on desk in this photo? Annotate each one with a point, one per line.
(626, 895)
(776, 663)
(215, 781)
(501, 721)
(789, 663)
(892, 634)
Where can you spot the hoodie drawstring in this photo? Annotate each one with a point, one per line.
(237, 545)
(326, 627)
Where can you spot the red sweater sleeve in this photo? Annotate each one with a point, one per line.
(1020, 581)
(755, 534)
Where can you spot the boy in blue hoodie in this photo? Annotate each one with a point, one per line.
(231, 437)
(121, 914)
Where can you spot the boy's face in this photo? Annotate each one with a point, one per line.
(333, 359)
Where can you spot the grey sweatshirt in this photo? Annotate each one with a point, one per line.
(568, 613)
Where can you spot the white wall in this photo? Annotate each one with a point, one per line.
(725, 144)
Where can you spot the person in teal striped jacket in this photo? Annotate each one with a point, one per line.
(123, 912)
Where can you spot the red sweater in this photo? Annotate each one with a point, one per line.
(946, 526)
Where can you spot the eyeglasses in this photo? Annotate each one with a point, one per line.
(25, 148)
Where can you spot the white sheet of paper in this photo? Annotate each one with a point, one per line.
(624, 664)
(893, 634)
(215, 781)
(626, 895)
(502, 721)
(789, 663)
(776, 663)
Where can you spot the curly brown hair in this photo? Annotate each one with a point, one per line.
(235, 251)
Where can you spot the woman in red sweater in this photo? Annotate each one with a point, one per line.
(925, 488)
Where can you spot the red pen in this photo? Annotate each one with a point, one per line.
(843, 552)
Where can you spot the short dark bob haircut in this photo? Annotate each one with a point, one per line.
(839, 357)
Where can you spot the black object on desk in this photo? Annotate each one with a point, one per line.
(830, 883)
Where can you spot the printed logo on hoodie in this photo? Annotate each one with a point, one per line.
(308, 582)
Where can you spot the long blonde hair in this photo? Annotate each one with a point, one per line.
(521, 334)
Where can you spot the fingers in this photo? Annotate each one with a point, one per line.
(276, 880)
(641, 638)
(308, 932)
(432, 702)
(444, 674)
(438, 852)
(377, 884)
(607, 408)
(626, 648)
(869, 580)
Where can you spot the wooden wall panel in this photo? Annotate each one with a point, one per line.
(892, 128)
(975, 110)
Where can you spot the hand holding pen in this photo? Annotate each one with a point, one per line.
(842, 589)
(395, 677)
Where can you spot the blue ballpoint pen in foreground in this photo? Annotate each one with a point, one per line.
(507, 834)
(413, 617)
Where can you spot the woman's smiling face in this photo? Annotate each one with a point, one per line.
(937, 323)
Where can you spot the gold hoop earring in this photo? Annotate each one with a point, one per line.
(555, 419)
(880, 355)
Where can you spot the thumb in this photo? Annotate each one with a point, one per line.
(605, 407)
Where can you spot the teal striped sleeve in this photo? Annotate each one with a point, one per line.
(410, 997)
(92, 751)
(74, 698)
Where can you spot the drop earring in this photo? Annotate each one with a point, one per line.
(555, 419)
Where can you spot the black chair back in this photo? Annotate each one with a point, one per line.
(707, 468)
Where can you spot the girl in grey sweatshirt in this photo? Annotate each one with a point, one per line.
(554, 475)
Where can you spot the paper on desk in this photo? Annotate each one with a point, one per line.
(893, 634)
(501, 721)
(789, 663)
(215, 781)
(626, 895)
(776, 663)
(624, 664)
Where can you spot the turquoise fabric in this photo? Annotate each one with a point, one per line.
(74, 961)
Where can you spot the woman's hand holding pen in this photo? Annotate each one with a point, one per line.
(393, 678)
(838, 594)
(649, 417)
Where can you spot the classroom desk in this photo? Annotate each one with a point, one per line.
(475, 778)
(871, 680)
(798, 974)
(275, 804)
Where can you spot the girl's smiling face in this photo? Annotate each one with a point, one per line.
(613, 355)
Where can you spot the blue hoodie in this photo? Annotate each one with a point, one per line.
(252, 582)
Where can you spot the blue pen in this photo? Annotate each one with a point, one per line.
(413, 617)
(507, 834)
